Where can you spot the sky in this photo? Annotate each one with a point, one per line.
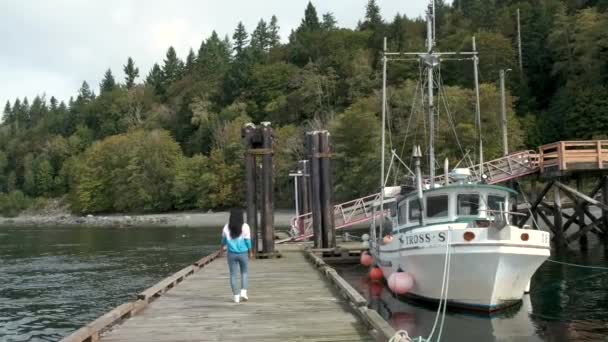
(51, 47)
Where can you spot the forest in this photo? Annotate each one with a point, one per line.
(171, 139)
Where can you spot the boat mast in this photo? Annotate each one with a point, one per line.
(383, 148)
(478, 109)
(430, 43)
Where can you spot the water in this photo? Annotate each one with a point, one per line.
(565, 304)
(55, 280)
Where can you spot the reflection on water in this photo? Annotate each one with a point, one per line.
(54, 280)
(565, 304)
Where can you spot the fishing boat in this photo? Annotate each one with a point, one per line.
(453, 234)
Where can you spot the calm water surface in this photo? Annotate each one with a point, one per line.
(54, 280)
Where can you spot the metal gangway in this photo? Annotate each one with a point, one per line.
(510, 167)
(358, 212)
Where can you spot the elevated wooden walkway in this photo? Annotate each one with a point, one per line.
(290, 300)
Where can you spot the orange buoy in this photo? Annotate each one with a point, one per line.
(375, 274)
(387, 239)
(400, 282)
(366, 259)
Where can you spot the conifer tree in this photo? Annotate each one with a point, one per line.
(260, 37)
(108, 83)
(53, 104)
(155, 79)
(131, 73)
(329, 22)
(373, 19)
(310, 23)
(274, 38)
(173, 67)
(7, 114)
(241, 39)
(84, 93)
(190, 61)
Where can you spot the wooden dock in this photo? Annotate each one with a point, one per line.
(293, 298)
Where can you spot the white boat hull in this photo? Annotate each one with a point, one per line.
(488, 273)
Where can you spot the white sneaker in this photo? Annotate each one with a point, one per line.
(244, 295)
(237, 298)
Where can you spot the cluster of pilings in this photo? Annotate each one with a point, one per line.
(549, 203)
(318, 167)
(259, 180)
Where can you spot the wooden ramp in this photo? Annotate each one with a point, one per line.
(289, 301)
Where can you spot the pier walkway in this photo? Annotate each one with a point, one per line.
(290, 300)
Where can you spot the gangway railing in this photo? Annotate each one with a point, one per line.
(347, 214)
(512, 166)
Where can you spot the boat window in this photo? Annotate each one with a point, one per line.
(468, 205)
(437, 206)
(496, 203)
(414, 210)
(403, 212)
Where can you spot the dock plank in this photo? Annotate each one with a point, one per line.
(289, 301)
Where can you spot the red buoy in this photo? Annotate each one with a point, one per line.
(366, 259)
(400, 282)
(375, 274)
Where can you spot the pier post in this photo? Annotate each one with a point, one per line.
(557, 218)
(250, 181)
(267, 190)
(312, 139)
(604, 181)
(535, 195)
(327, 216)
(303, 191)
(583, 241)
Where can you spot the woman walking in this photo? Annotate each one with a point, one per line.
(236, 236)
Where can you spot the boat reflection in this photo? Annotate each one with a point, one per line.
(512, 324)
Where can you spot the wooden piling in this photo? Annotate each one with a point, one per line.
(303, 187)
(557, 218)
(327, 215)
(313, 152)
(604, 210)
(583, 241)
(250, 181)
(267, 191)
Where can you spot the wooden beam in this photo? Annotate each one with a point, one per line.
(583, 231)
(536, 202)
(581, 195)
(547, 221)
(557, 218)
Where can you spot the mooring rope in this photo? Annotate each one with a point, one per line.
(578, 265)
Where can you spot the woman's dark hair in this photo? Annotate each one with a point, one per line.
(235, 223)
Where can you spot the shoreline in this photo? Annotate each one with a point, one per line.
(181, 219)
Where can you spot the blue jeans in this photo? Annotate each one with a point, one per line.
(238, 260)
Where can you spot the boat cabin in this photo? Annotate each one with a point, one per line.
(453, 203)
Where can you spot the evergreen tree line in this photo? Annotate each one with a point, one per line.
(170, 140)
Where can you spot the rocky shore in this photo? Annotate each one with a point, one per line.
(187, 219)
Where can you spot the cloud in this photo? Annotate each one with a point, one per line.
(52, 46)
